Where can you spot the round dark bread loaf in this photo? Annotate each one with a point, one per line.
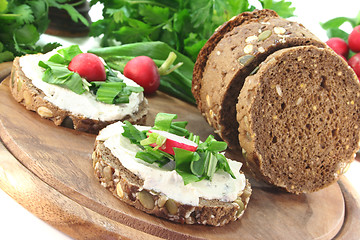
(299, 118)
(231, 54)
(128, 187)
(33, 99)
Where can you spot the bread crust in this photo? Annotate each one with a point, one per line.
(299, 119)
(128, 187)
(33, 99)
(220, 69)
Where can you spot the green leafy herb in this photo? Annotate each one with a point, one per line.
(177, 83)
(333, 28)
(22, 23)
(191, 166)
(184, 25)
(112, 91)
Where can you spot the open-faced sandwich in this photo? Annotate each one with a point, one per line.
(167, 171)
(293, 105)
(76, 89)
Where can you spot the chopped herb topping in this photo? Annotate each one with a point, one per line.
(191, 166)
(111, 91)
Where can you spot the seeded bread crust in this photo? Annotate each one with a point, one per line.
(299, 119)
(231, 54)
(32, 98)
(127, 187)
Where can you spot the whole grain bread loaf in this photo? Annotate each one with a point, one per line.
(33, 99)
(128, 187)
(231, 54)
(299, 118)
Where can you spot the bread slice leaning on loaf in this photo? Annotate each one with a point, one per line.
(231, 54)
(299, 118)
(34, 99)
(129, 188)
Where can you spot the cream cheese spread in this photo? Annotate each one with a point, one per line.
(79, 104)
(222, 187)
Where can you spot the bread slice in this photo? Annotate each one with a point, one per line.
(34, 99)
(129, 188)
(299, 118)
(231, 54)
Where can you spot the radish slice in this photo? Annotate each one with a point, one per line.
(172, 141)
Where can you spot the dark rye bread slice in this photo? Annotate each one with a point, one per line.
(33, 99)
(127, 187)
(231, 54)
(299, 118)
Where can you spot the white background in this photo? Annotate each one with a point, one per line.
(17, 223)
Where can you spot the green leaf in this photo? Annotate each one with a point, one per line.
(107, 92)
(212, 163)
(74, 14)
(280, 7)
(70, 52)
(154, 14)
(336, 22)
(197, 166)
(26, 34)
(24, 14)
(223, 164)
(336, 32)
(163, 121)
(183, 160)
(40, 13)
(6, 56)
(59, 75)
(3, 5)
(133, 133)
(188, 177)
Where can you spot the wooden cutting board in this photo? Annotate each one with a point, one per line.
(49, 171)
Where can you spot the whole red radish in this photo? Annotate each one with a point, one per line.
(339, 46)
(88, 66)
(172, 141)
(354, 39)
(143, 71)
(354, 62)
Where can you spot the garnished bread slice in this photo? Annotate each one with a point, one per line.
(34, 99)
(299, 118)
(129, 188)
(231, 54)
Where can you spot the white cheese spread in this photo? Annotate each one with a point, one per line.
(79, 104)
(222, 187)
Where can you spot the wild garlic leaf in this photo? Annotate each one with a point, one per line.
(59, 75)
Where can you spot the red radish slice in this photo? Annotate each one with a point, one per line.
(172, 141)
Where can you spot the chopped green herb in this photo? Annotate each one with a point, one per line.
(191, 166)
(112, 91)
(22, 23)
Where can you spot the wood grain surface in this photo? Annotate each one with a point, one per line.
(55, 163)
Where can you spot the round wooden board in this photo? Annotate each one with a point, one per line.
(55, 163)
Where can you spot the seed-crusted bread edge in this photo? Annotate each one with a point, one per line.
(128, 187)
(33, 99)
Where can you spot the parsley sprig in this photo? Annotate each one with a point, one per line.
(112, 91)
(22, 23)
(191, 166)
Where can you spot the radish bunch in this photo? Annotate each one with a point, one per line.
(343, 48)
